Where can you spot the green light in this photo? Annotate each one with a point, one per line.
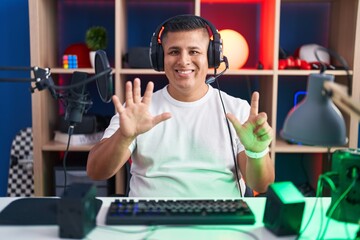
(287, 192)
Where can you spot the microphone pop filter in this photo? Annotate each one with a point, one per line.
(104, 83)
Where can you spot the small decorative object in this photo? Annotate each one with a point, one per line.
(307, 53)
(95, 39)
(82, 53)
(70, 61)
(236, 48)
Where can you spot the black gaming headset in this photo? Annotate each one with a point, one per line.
(214, 54)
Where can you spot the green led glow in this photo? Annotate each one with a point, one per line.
(287, 192)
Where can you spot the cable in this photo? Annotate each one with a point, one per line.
(70, 132)
(152, 229)
(210, 80)
(340, 59)
(231, 141)
(318, 195)
(336, 205)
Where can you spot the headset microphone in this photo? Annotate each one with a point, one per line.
(77, 99)
(213, 78)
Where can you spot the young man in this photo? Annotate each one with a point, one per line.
(178, 137)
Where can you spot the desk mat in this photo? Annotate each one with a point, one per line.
(33, 211)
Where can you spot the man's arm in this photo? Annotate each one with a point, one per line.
(256, 135)
(258, 173)
(108, 156)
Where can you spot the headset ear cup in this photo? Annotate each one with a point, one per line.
(210, 55)
(156, 56)
(215, 52)
(217, 46)
(160, 58)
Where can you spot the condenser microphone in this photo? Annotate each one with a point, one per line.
(77, 100)
(213, 78)
(104, 83)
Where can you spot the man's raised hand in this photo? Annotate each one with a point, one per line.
(135, 117)
(255, 134)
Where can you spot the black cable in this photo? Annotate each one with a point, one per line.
(70, 132)
(340, 59)
(231, 141)
(211, 80)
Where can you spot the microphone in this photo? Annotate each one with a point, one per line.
(213, 78)
(77, 100)
(104, 83)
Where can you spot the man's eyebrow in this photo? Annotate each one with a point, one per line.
(174, 48)
(189, 48)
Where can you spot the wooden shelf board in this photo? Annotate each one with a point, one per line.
(282, 146)
(56, 146)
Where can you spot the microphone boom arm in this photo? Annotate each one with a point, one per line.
(42, 79)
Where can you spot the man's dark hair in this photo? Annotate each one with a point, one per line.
(184, 23)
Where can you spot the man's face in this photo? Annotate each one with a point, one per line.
(186, 64)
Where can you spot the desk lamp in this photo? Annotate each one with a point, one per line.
(317, 121)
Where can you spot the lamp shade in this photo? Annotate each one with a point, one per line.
(316, 120)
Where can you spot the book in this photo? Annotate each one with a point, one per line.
(78, 139)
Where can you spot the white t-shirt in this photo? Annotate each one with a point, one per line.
(188, 155)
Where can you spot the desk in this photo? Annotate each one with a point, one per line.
(336, 230)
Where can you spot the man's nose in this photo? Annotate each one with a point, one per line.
(184, 58)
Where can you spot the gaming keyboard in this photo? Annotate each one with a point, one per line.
(179, 212)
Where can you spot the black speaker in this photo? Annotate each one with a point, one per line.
(76, 215)
(138, 57)
(346, 207)
(284, 209)
(215, 49)
(88, 125)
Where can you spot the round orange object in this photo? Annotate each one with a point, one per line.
(235, 48)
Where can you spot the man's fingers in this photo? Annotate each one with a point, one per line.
(261, 118)
(233, 120)
(137, 90)
(118, 106)
(148, 93)
(254, 106)
(128, 93)
(161, 117)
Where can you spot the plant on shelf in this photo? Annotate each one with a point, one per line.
(95, 39)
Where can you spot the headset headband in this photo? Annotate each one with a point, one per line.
(157, 52)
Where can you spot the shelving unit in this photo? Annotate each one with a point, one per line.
(47, 44)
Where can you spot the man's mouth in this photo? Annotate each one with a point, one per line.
(184, 71)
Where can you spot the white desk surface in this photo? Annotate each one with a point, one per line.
(336, 230)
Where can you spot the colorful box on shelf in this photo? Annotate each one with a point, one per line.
(70, 61)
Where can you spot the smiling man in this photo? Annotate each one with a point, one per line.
(178, 137)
